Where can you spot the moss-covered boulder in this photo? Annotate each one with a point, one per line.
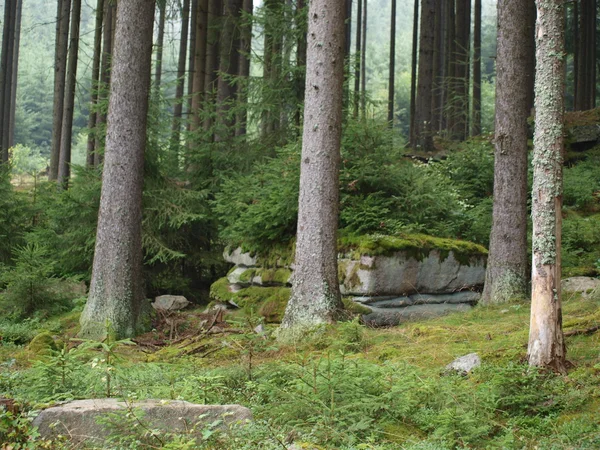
(42, 345)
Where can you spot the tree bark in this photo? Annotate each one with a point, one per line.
(506, 274)
(586, 70)
(300, 60)
(357, 58)
(215, 11)
(160, 45)
(392, 68)
(66, 135)
(438, 65)
(546, 341)
(450, 81)
(199, 64)
(191, 64)
(413, 75)
(91, 141)
(116, 290)
(463, 22)
(7, 82)
(363, 63)
(15, 74)
(423, 128)
(60, 69)
(476, 127)
(244, 67)
(178, 106)
(315, 295)
(107, 49)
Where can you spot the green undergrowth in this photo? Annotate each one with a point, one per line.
(346, 386)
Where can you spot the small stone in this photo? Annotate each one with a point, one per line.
(464, 364)
(259, 329)
(170, 303)
(504, 311)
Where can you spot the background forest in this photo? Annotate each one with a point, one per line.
(222, 169)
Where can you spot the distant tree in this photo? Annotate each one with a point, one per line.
(160, 43)
(116, 289)
(15, 74)
(179, 89)
(60, 71)
(215, 12)
(363, 62)
(315, 294)
(413, 74)
(462, 69)
(300, 59)
(423, 117)
(6, 73)
(66, 135)
(244, 66)
(506, 275)
(358, 58)
(198, 81)
(91, 142)
(476, 125)
(546, 341)
(586, 56)
(392, 66)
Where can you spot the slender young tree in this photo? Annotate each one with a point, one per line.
(315, 295)
(546, 341)
(178, 106)
(423, 122)
(506, 275)
(413, 74)
(476, 126)
(60, 71)
(392, 68)
(162, 18)
(116, 289)
(15, 74)
(66, 135)
(91, 141)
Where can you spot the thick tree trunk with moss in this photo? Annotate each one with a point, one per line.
(423, 129)
(546, 341)
(506, 275)
(66, 135)
(315, 295)
(116, 290)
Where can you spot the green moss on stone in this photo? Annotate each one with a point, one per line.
(43, 344)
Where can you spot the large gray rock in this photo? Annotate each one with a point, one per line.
(389, 317)
(587, 286)
(418, 299)
(170, 303)
(79, 419)
(240, 258)
(402, 275)
(464, 364)
(584, 133)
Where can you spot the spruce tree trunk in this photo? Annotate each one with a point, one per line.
(191, 66)
(506, 274)
(450, 82)
(423, 129)
(363, 63)
(159, 45)
(244, 67)
(529, 66)
(300, 60)
(357, 58)
(438, 64)
(315, 295)
(347, 50)
(7, 82)
(107, 48)
(60, 70)
(15, 74)
(215, 11)
(228, 67)
(413, 75)
(116, 289)
(586, 70)
(198, 83)
(463, 22)
(476, 127)
(546, 341)
(178, 105)
(91, 141)
(392, 67)
(272, 61)
(66, 135)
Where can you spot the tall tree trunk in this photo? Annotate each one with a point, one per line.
(191, 63)
(413, 75)
(423, 129)
(300, 60)
(451, 62)
(228, 67)
(66, 135)
(198, 83)
(586, 70)
(357, 58)
(8, 74)
(107, 49)
(116, 290)
(315, 294)
(271, 67)
(476, 128)
(392, 68)
(160, 45)
(215, 11)
(60, 70)
(546, 341)
(178, 106)
(575, 51)
(15, 74)
(91, 141)
(363, 63)
(347, 50)
(506, 274)
(244, 67)
(529, 66)
(463, 21)
(438, 64)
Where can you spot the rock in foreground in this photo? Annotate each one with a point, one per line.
(79, 419)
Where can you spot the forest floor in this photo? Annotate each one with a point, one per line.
(341, 387)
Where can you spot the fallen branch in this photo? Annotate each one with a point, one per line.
(585, 332)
